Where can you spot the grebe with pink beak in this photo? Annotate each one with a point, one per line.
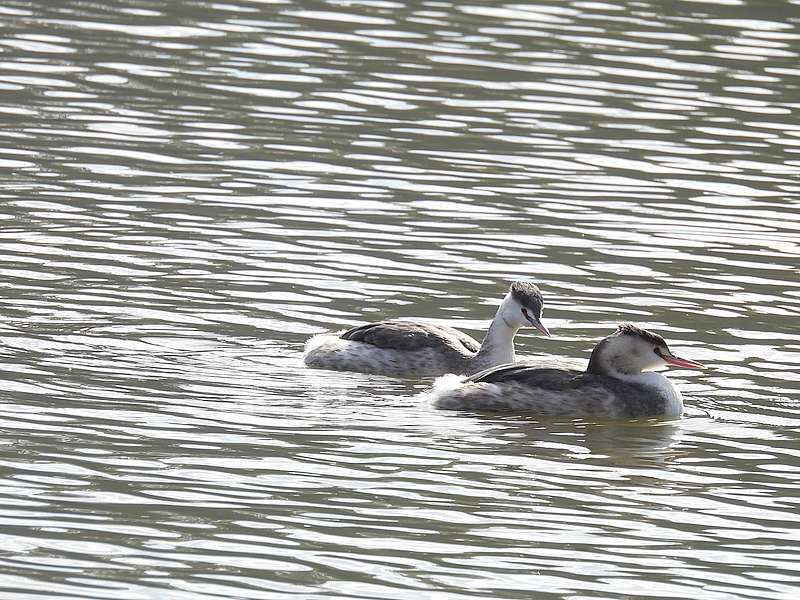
(617, 384)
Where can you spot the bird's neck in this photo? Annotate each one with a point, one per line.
(611, 364)
(658, 386)
(497, 347)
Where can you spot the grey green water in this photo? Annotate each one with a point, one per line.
(192, 189)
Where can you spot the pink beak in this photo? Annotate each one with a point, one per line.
(682, 362)
(538, 325)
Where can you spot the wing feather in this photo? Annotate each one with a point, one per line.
(411, 335)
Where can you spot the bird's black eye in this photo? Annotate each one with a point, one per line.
(657, 350)
(524, 311)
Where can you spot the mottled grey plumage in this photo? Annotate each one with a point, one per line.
(613, 386)
(597, 392)
(410, 335)
(415, 349)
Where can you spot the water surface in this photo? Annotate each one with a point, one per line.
(193, 189)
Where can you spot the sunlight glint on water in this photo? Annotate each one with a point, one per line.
(192, 191)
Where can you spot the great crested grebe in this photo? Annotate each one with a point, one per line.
(616, 384)
(414, 349)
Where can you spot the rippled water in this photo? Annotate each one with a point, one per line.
(193, 189)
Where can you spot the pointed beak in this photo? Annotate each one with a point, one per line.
(673, 360)
(538, 325)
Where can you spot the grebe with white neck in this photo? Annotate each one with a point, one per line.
(401, 348)
(618, 383)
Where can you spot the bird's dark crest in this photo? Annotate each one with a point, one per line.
(631, 329)
(526, 294)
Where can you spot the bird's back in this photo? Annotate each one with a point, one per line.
(394, 348)
(411, 336)
(552, 392)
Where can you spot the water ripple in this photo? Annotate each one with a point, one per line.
(190, 195)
